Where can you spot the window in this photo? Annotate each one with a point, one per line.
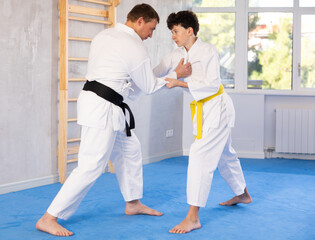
(269, 50)
(263, 44)
(218, 29)
(307, 66)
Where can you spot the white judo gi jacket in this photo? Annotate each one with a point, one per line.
(119, 60)
(214, 148)
(204, 81)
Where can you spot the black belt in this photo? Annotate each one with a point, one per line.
(112, 96)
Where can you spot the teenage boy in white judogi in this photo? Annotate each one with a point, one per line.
(213, 116)
(118, 59)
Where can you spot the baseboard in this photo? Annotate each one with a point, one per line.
(31, 183)
(258, 155)
(291, 156)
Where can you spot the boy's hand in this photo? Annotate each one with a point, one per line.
(183, 70)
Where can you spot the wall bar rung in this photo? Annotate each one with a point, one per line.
(72, 160)
(77, 80)
(74, 140)
(72, 119)
(80, 59)
(80, 39)
(72, 99)
(88, 11)
(89, 20)
(73, 150)
(97, 2)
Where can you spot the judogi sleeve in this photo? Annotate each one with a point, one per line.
(208, 83)
(137, 61)
(165, 69)
(144, 78)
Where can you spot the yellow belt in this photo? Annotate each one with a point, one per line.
(199, 104)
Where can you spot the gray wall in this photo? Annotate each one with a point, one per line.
(29, 92)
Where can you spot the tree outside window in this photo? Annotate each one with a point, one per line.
(270, 49)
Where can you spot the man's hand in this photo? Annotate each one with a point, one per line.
(183, 70)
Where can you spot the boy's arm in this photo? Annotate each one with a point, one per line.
(175, 83)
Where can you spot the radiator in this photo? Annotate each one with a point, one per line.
(295, 130)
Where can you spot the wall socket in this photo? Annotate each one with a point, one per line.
(169, 133)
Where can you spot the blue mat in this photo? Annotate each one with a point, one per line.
(283, 207)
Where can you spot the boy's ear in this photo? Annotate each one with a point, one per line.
(190, 31)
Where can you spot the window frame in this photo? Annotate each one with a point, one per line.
(241, 11)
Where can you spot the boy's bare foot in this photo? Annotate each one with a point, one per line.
(48, 223)
(186, 226)
(243, 198)
(135, 207)
(191, 222)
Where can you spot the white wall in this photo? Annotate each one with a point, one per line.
(248, 133)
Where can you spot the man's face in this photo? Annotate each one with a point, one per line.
(145, 29)
(180, 35)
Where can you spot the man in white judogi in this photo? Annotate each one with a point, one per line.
(213, 116)
(118, 62)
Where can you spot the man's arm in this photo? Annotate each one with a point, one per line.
(144, 78)
(148, 83)
(164, 69)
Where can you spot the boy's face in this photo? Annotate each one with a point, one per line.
(180, 35)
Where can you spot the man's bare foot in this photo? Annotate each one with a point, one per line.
(48, 223)
(243, 198)
(135, 207)
(186, 226)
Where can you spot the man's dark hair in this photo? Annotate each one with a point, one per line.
(143, 10)
(184, 18)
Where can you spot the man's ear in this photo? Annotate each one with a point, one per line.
(140, 21)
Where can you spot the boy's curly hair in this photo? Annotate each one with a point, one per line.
(184, 18)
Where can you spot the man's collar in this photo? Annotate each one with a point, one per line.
(127, 29)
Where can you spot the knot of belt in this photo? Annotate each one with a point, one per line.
(199, 104)
(112, 96)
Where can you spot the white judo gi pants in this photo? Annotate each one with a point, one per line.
(206, 154)
(96, 148)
